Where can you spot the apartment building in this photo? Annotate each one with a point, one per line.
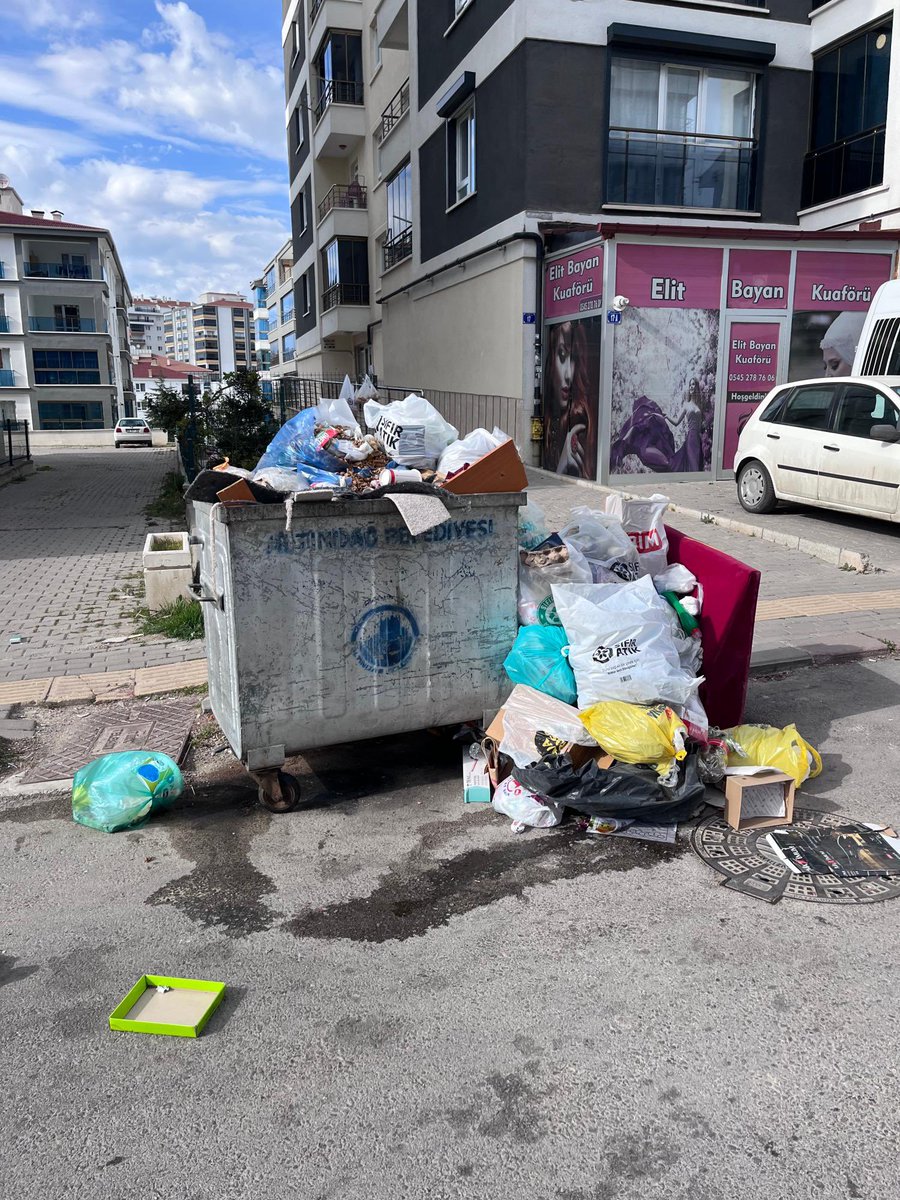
(215, 332)
(275, 331)
(64, 356)
(150, 372)
(635, 216)
(147, 325)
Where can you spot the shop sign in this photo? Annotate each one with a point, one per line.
(752, 373)
(828, 281)
(573, 284)
(758, 279)
(661, 276)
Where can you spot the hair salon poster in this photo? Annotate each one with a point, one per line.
(573, 303)
(664, 367)
(832, 292)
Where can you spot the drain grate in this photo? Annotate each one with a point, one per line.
(750, 865)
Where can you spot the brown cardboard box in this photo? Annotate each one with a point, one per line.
(578, 754)
(500, 471)
(739, 790)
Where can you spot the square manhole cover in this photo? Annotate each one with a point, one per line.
(161, 727)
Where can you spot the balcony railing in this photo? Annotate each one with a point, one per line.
(679, 170)
(7, 378)
(849, 166)
(397, 248)
(344, 195)
(57, 270)
(338, 91)
(345, 293)
(62, 324)
(394, 111)
(4, 323)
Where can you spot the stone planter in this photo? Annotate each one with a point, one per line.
(167, 571)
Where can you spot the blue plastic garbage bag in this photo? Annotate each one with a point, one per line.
(538, 658)
(294, 446)
(122, 791)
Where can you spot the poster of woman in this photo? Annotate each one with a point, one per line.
(824, 343)
(663, 394)
(572, 397)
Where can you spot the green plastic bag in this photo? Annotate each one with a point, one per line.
(122, 791)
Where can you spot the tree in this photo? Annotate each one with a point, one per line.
(167, 408)
(240, 420)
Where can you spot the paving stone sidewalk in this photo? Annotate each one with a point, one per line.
(809, 610)
(70, 558)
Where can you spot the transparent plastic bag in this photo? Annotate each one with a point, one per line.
(524, 807)
(294, 445)
(533, 528)
(553, 561)
(530, 716)
(366, 390)
(122, 791)
(469, 449)
(604, 544)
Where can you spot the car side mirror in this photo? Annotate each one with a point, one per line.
(884, 433)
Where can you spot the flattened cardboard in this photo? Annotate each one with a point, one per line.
(499, 471)
(737, 785)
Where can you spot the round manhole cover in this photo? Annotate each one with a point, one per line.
(751, 866)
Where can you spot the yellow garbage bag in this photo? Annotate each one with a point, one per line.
(782, 749)
(635, 734)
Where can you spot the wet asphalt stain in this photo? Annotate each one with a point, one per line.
(505, 1106)
(645, 1156)
(214, 828)
(420, 894)
(10, 973)
(54, 808)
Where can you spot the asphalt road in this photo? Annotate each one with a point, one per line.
(422, 1004)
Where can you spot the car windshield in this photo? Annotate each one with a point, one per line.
(131, 423)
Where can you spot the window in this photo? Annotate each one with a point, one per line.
(273, 316)
(296, 39)
(306, 292)
(52, 415)
(304, 216)
(398, 240)
(345, 268)
(287, 308)
(140, 387)
(375, 46)
(681, 136)
(861, 408)
(339, 71)
(65, 367)
(460, 6)
(849, 110)
(298, 129)
(270, 280)
(288, 345)
(808, 407)
(461, 154)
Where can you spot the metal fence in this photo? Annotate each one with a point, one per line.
(16, 444)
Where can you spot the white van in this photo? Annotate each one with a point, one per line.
(878, 351)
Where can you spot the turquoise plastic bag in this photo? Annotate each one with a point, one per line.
(539, 658)
(122, 791)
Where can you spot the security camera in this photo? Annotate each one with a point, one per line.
(620, 303)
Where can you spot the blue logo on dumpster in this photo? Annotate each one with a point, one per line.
(384, 638)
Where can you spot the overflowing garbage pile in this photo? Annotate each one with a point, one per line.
(326, 449)
(605, 717)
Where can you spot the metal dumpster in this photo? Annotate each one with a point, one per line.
(347, 627)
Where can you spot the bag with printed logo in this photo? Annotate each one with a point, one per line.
(606, 547)
(412, 431)
(124, 789)
(621, 645)
(642, 520)
(553, 561)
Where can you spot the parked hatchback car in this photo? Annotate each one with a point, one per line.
(834, 443)
(134, 430)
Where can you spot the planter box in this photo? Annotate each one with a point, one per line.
(167, 572)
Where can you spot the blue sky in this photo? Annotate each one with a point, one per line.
(161, 120)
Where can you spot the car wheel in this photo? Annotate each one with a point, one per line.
(754, 487)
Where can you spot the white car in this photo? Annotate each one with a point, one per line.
(832, 442)
(132, 429)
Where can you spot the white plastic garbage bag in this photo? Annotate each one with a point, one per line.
(605, 545)
(366, 390)
(337, 413)
(643, 522)
(675, 578)
(523, 807)
(347, 391)
(469, 449)
(393, 423)
(527, 713)
(622, 645)
(553, 561)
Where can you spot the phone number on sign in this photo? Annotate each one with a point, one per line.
(768, 380)
(590, 305)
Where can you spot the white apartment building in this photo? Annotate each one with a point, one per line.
(274, 315)
(147, 325)
(215, 332)
(64, 356)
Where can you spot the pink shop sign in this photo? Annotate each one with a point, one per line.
(758, 279)
(573, 285)
(829, 281)
(669, 276)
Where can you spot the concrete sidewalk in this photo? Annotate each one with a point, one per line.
(809, 611)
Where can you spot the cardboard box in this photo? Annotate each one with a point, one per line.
(477, 784)
(500, 471)
(578, 754)
(745, 810)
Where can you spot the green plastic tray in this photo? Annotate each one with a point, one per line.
(180, 1012)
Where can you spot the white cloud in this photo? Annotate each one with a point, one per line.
(50, 14)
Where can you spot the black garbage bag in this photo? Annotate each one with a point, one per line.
(626, 791)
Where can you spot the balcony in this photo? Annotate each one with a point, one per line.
(4, 323)
(849, 166)
(393, 25)
(340, 118)
(333, 14)
(394, 135)
(398, 248)
(60, 270)
(656, 168)
(8, 378)
(64, 325)
(343, 213)
(345, 309)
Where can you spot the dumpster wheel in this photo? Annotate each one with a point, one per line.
(278, 791)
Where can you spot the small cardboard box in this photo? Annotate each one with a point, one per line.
(168, 1005)
(499, 471)
(746, 806)
(477, 781)
(578, 754)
